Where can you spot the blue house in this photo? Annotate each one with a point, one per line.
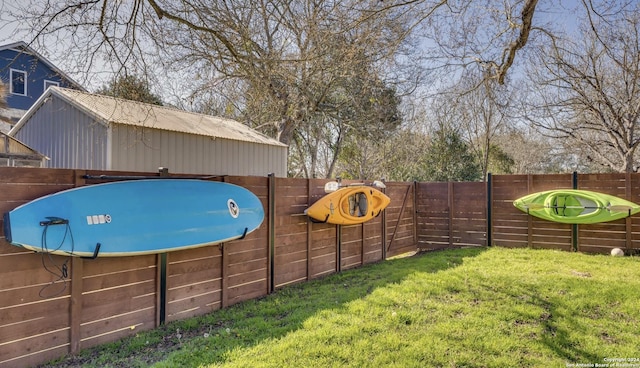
(26, 75)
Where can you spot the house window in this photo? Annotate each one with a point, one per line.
(48, 83)
(18, 82)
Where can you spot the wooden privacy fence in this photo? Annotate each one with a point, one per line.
(452, 214)
(513, 228)
(95, 301)
(101, 300)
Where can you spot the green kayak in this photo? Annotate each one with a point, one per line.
(572, 206)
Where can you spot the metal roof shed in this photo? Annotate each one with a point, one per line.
(80, 130)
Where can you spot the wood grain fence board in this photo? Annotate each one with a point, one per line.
(110, 309)
(400, 226)
(458, 216)
(550, 235)
(105, 304)
(20, 193)
(187, 255)
(633, 194)
(290, 260)
(186, 272)
(182, 294)
(21, 185)
(248, 258)
(468, 214)
(634, 229)
(255, 278)
(634, 184)
(324, 235)
(513, 228)
(119, 326)
(112, 266)
(25, 296)
(21, 321)
(292, 197)
(351, 246)
(195, 305)
(372, 241)
(34, 318)
(125, 277)
(323, 250)
(245, 292)
(39, 176)
(24, 269)
(194, 282)
(106, 317)
(291, 273)
(290, 267)
(37, 358)
(246, 253)
(601, 238)
(432, 208)
(614, 184)
(550, 181)
(35, 349)
(507, 194)
(254, 274)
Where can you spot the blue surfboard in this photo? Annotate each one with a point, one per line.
(134, 217)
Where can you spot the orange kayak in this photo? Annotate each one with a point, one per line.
(349, 205)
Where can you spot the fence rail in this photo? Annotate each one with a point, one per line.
(44, 315)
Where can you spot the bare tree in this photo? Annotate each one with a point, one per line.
(283, 65)
(280, 65)
(531, 153)
(587, 92)
(487, 33)
(286, 54)
(479, 103)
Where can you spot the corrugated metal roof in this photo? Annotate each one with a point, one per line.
(127, 112)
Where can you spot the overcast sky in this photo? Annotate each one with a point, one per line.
(7, 24)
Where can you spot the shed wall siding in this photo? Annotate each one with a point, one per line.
(146, 149)
(69, 137)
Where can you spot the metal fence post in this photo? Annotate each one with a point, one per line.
(574, 227)
(489, 209)
(272, 231)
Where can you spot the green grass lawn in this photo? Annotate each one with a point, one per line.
(474, 307)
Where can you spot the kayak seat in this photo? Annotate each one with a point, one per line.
(557, 205)
(589, 205)
(357, 203)
(567, 206)
(351, 203)
(362, 204)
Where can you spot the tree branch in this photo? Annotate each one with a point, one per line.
(527, 21)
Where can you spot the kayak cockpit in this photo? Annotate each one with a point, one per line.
(569, 205)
